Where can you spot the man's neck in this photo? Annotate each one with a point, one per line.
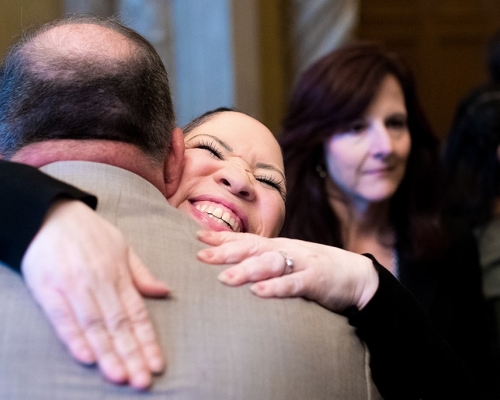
(118, 154)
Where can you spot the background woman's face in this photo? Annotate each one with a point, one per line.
(233, 176)
(368, 161)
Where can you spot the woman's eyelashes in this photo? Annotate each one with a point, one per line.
(273, 182)
(210, 146)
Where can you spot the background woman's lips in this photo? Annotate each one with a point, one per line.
(382, 170)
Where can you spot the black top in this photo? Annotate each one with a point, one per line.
(429, 337)
(27, 194)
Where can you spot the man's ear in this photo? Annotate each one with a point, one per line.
(174, 163)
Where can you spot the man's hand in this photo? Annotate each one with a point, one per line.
(89, 282)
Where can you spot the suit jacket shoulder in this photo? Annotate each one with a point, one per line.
(221, 343)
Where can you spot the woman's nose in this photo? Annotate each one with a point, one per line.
(237, 179)
(381, 141)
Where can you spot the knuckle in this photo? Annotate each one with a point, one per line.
(129, 351)
(92, 324)
(254, 247)
(139, 316)
(118, 322)
(293, 285)
(297, 284)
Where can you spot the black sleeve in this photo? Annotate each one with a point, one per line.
(409, 359)
(27, 195)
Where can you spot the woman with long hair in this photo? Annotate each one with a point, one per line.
(331, 104)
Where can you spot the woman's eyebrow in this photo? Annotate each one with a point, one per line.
(221, 142)
(270, 167)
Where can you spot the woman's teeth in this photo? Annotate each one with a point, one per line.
(218, 214)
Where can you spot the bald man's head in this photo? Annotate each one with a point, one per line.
(84, 78)
(59, 52)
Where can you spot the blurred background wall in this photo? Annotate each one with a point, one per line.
(247, 53)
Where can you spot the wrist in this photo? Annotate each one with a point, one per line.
(369, 283)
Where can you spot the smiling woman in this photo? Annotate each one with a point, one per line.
(233, 175)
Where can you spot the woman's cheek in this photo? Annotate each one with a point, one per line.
(276, 219)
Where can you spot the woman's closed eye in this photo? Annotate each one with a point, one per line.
(208, 145)
(272, 182)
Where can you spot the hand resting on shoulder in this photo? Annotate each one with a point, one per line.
(334, 278)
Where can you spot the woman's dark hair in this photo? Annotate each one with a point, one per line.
(471, 157)
(201, 119)
(331, 94)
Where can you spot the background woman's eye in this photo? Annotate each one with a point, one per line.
(398, 122)
(356, 127)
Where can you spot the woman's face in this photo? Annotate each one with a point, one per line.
(233, 176)
(368, 161)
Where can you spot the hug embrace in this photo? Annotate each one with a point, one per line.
(359, 163)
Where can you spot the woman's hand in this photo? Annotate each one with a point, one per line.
(89, 282)
(334, 278)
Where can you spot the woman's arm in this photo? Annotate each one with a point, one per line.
(81, 271)
(27, 195)
(409, 359)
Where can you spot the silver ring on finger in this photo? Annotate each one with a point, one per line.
(288, 269)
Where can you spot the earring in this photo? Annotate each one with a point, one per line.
(321, 172)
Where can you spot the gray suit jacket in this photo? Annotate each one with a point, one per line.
(221, 343)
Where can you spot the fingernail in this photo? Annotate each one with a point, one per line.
(141, 380)
(116, 373)
(156, 364)
(226, 277)
(86, 356)
(258, 288)
(203, 234)
(205, 254)
(163, 287)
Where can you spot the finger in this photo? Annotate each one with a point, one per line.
(233, 252)
(94, 327)
(61, 317)
(254, 269)
(143, 329)
(214, 238)
(291, 285)
(119, 326)
(143, 280)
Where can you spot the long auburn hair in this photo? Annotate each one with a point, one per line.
(333, 92)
